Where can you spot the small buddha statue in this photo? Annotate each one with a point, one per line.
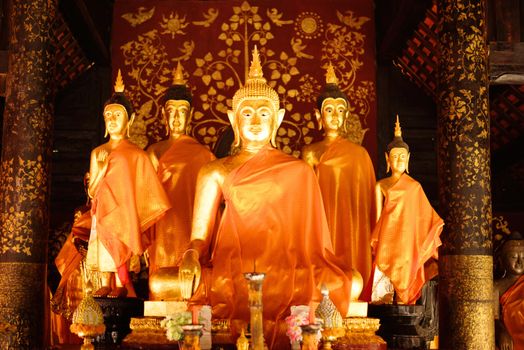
(127, 199)
(177, 162)
(273, 215)
(509, 294)
(408, 230)
(347, 180)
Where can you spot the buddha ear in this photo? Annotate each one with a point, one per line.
(319, 118)
(387, 162)
(166, 122)
(105, 133)
(131, 120)
(280, 118)
(407, 163)
(231, 117)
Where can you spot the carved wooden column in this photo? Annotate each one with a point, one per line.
(24, 178)
(466, 281)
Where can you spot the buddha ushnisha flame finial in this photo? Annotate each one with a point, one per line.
(178, 78)
(256, 86)
(331, 77)
(398, 130)
(119, 82)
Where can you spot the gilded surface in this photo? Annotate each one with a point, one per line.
(24, 184)
(466, 302)
(463, 128)
(294, 45)
(20, 307)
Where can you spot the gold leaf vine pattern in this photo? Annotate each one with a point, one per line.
(464, 128)
(221, 72)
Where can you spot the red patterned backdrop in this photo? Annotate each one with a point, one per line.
(213, 39)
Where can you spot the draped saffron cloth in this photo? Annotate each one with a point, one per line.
(129, 200)
(273, 217)
(512, 303)
(406, 237)
(177, 171)
(347, 181)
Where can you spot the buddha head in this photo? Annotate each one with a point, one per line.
(256, 116)
(176, 105)
(511, 255)
(118, 111)
(332, 106)
(397, 153)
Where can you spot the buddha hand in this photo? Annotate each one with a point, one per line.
(505, 341)
(189, 273)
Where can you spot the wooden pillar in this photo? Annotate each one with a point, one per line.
(24, 177)
(466, 278)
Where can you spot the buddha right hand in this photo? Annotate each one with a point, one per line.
(189, 273)
(505, 341)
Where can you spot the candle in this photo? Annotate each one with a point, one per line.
(311, 312)
(195, 309)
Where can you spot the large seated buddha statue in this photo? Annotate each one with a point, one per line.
(127, 199)
(273, 219)
(347, 180)
(406, 237)
(177, 161)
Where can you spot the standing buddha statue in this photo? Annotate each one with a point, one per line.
(406, 237)
(127, 199)
(509, 298)
(347, 180)
(273, 216)
(177, 161)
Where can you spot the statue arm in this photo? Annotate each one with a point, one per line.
(153, 156)
(379, 199)
(207, 200)
(97, 170)
(308, 155)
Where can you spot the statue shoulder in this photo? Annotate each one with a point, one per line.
(311, 153)
(157, 149)
(216, 169)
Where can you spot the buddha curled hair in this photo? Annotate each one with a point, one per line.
(121, 99)
(177, 92)
(330, 91)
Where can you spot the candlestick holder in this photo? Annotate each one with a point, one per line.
(310, 336)
(192, 333)
(255, 280)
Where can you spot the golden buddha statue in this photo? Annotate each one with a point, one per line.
(407, 230)
(509, 294)
(347, 180)
(127, 199)
(177, 161)
(273, 216)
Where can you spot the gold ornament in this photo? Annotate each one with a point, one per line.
(256, 86)
(398, 130)
(331, 77)
(88, 320)
(119, 82)
(178, 78)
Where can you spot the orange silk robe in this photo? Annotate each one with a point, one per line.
(512, 303)
(406, 237)
(177, 171)
(129, 200)
(347, 181)
(273, 215)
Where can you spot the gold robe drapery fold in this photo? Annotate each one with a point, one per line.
(347, 181)
(129, 200)
(512, 303)
(177, 171)
(273, 216)
(406, 236)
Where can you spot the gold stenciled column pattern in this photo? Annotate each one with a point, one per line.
(465, 292)
(24, 180)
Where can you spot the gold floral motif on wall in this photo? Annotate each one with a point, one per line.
(213, 42)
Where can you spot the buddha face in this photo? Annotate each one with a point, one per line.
(255, 118)
(513, 257)
(116, 120)
(398, 159)
(334, 111)
(177, 114)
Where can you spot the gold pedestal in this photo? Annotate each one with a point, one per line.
(146, 331)
(361, 330)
